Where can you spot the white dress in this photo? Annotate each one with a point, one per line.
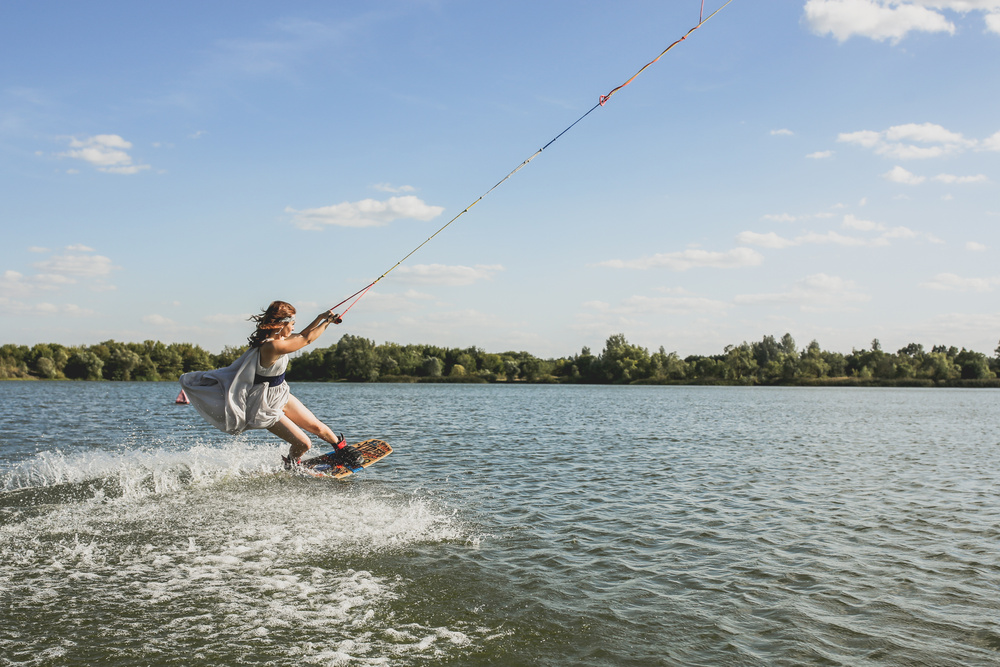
(231, 400)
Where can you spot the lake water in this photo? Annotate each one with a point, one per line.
(513, 525)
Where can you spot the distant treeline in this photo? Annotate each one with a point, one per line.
(769, 361)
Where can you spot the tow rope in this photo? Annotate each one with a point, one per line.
(602, 100)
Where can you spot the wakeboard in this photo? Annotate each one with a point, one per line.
(325, 466)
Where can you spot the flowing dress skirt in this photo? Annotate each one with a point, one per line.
(229, 399)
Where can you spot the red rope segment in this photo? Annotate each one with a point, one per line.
(603, 99)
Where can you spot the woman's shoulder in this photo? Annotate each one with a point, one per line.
(268, 352)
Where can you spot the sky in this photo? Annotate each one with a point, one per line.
(825, 168)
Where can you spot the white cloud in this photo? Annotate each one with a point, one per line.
(19, 308)
(390, 188)
(769, 240)
(780, 217)
(901, 232)
(680, 291)
(950, 178)
(39, 249)
(850, 222)
(441, 274)
(927, 133)
(863, 138)
(55, 273)
(13, 284)
(911, 141)
(905, 177)
(875, 19)
(992, 143)
(106, 152)
(672, 305)
(52, 280)
(158, 320)
(960, 5)
(782, 133)
(692, 258)
(820, 155)
(833, 238)
(88, 266)
(885, 235)
(975, 247)
(899, 175)
(993, 22)
(952, 283)
(74, 310)
(818, 292)
(364, 213)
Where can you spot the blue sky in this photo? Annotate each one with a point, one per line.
(827, 168)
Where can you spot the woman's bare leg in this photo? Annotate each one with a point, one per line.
(293, 435)
(302, 417)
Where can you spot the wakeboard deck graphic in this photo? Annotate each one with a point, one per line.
(324, 466)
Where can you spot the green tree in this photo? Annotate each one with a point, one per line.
(411, 360)
(229, 354)
(788, 344)
(937, 366)
(357, 359)
(909, 360)
(432, 367)
(739, 362)
(769, 350)
(466, 361)
(121, 362)
(973, 365)
(47, 360)
(167, 360)
(667, 366)
(193, 357)
(491, 363)
(704, 368)
(622, 362)
(532, 368)
(812, 364)
(46, 367)
(146, 370)
(587, 365)
(873, 363)
(84, 365)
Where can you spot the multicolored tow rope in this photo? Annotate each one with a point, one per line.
(354, 298)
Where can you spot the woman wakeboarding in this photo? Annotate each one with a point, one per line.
(252, 392)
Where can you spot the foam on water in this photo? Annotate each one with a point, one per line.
(192, 552)
(633, 526)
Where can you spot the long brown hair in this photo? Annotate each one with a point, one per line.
(270, 321)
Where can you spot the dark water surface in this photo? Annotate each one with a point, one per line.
(514, 525)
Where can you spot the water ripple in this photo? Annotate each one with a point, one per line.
(514, 525)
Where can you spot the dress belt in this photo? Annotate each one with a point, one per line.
(273, 380)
